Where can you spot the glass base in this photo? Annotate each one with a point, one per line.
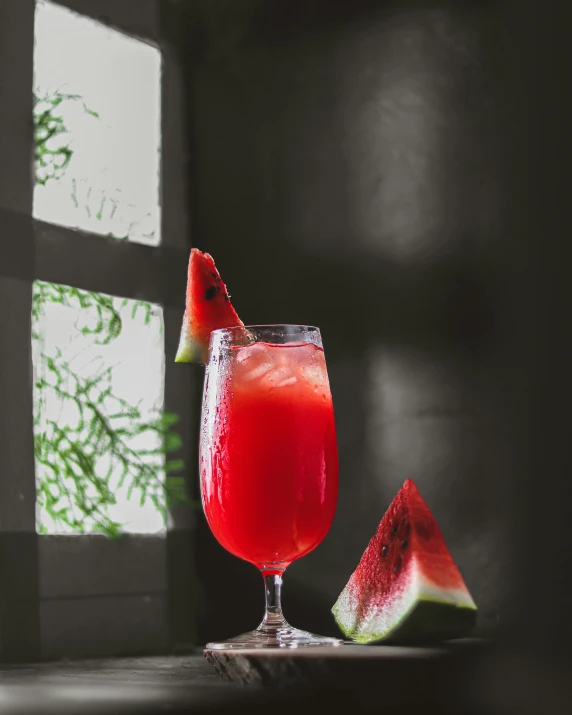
(278, 637)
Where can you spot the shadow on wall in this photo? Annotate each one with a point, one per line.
(345, 176)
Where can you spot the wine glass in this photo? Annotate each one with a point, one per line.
(268, 460)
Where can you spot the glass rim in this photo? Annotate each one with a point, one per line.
(237, 328)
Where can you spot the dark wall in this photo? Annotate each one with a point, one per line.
(354, 168)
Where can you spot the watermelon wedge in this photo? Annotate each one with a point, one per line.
(208, 308)
(406, 586)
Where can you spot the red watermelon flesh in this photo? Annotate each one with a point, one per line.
(208, 308)
(406, 585)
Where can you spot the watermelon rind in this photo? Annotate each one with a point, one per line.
(424, 620)
(420, 611)
(188, 350)
(430, 620)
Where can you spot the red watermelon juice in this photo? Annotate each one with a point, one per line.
(269, 464)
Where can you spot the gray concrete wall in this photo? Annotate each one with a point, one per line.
(346, 173)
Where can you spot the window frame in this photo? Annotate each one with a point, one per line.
(86, 595)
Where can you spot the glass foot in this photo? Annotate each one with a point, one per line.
(280, 637)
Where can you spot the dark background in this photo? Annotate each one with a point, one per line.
(397, 173)
(394, 172)
(351, 169)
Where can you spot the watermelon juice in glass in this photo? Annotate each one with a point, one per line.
(268, 459)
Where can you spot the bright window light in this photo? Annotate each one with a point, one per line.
(97, 127)
(99, 367)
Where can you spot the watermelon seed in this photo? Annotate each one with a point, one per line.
(384, 551)
(211, 292)
(394, 530)
(397, 564)
(404, 544)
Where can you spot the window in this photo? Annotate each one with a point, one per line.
(97, 107)
(99, 365)
(101, 84)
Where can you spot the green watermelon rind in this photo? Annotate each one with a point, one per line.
(426, 619)
(188, 350)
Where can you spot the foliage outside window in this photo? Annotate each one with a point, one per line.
(80, 461)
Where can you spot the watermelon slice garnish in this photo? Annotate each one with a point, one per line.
(208, 308)
(406, 586)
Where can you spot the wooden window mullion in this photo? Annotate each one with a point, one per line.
(19, 606)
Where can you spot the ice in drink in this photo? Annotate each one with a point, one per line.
(269, 462)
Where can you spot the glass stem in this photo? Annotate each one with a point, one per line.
(273, 617)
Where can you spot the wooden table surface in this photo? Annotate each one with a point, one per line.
(154, 684)
(360, 679)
